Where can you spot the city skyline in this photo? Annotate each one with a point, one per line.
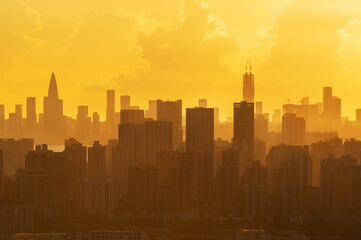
(87, 63)
(180, 119)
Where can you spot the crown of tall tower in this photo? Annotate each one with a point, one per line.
(53, 88)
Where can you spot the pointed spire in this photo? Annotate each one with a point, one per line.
(53, 88)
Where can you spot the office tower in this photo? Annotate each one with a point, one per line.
(14, 152)
(83, 124)
(110, 118)
(337, 190)
(248, 85)
(200, 142)
(142, 189)
(243, 128)
(124, 102)
(293, 129)
(2, 121)
(321, 150)
(43, 181)
(202, 103)
(1, 174)
(134, 116)
(227, 181)
(76, 160)
(259, 107)
(96, 124)
(19, 117)
(200, 130)
(31, 118)
(54, 120)
(157, 138)
(327, 102)
(171, 111)
(130, 152)
(96, 162)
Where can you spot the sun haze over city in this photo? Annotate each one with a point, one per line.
(180, 119)
(173, 49)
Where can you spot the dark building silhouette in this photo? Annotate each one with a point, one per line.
(14, 152)
(43, 181)
(200, 142)
(54, 120)
(157, 138)
(321, 150)
(228, 181)
(96, 162)
(76, 165)
(289, 171)
(243, 129)
(200, 130)
(171, 111)
(338, 186)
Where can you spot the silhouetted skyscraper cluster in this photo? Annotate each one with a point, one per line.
(159, 164)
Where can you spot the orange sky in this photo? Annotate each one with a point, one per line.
(172, 49)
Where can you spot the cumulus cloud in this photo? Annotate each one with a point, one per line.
(19, 22)
(187, 58)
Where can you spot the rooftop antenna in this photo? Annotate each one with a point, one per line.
(250, 64)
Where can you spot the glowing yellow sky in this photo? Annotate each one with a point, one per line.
(172, 49)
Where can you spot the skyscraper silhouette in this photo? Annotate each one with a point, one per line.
(110, 120)
(248, 84)
(54, 120)
(31, 118)
(243, 129)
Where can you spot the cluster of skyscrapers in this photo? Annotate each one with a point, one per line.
(158, 163)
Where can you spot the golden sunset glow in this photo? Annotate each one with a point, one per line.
(172, 49)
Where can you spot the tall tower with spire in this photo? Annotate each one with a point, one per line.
(54, 120)
(248, 83)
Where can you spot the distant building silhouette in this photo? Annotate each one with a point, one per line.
(110, 117)
(293, 130)
(54, 120)
(248, 84)
(31, 117)
(171, 111)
